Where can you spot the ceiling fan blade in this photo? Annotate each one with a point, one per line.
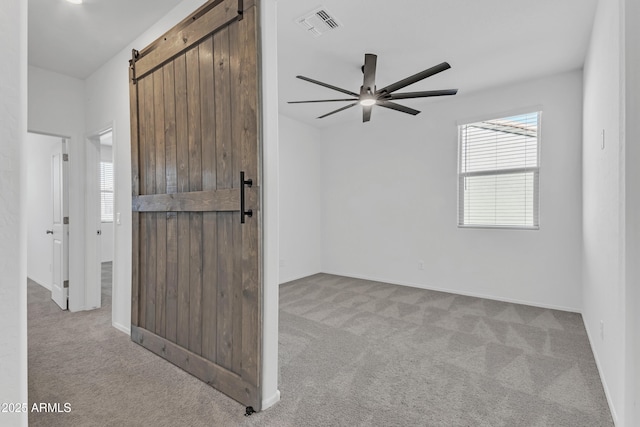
(369, 81)
(415, 78)
(366, 113)
(397, 107)
(328, 86)
(338, 110)
(321, 100)
(423, 94)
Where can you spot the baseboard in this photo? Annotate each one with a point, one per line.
(41, 284)
(121, 328)
(607, 393)
(298, 277)
(267, 403)
(457, 292)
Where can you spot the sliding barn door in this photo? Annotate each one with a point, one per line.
(196, 291)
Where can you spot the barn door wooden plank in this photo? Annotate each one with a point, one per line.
(245, 129)
(195, 184)
(161, 187)
(209, 219)
(224, 179)
(149, 218)
(143, 160)
(226, 199)
(237, 166)
(171, 315)
(184, 245)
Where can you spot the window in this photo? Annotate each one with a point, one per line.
(498, 172)
(106, 191)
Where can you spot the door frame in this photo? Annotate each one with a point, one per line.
(93, 283)
(270, 166)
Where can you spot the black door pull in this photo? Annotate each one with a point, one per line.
(244, 213)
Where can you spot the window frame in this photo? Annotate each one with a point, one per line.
(535, 170)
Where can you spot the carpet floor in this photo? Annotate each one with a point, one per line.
(351, 353)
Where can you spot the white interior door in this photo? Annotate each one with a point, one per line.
(60, 246)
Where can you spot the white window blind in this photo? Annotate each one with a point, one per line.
(106, 191)
(498, 172)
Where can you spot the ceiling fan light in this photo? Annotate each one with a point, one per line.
(367, 102)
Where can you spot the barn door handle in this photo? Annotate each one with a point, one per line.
(248, 183)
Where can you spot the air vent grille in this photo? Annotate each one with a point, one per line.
(318, 22)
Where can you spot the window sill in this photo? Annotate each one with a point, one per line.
(502, 227)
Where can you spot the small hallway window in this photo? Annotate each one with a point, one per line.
(106, 191)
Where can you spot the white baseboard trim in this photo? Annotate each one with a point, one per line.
(121, 328)
(267, 403)
(298, 277)
(41, 284)
(457, 292)
(607, 393)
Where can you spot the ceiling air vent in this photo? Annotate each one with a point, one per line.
(318, 22)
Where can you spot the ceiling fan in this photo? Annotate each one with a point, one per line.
(370, 96)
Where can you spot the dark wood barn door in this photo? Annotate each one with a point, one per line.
(197, 288)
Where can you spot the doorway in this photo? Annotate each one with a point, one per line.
(101, 218)
(47, 224)
(107, 197)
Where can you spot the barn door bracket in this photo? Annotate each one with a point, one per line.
(132, 65)
(244, 213)
(240, 10)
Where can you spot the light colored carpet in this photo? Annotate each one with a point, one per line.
(352, 353)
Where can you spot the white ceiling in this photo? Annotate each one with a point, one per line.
(487, 43)
(77, 39)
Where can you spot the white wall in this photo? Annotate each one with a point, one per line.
(603, 204)
(271, 212)
(390, 200)
(38, 150)
(56, 108)
(611, 201)
(107, 102)
(300, 200)
(106, 242)
(632, 202)
(13, 231)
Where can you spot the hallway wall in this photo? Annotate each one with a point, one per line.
(56, 108)
(13, 230)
